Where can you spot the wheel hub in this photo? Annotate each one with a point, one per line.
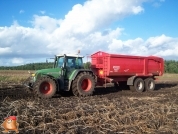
(140, 86)
(45, 88)
(86, 84)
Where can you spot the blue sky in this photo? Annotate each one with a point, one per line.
(31, 31)
(23, 10)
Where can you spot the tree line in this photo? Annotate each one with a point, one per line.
(31, 66)
(35, 66)
(170, 66)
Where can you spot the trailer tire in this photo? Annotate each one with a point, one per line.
(45, 87)
(138, 85)
(149, 84)
(83, 85)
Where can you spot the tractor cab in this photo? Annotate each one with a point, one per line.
(68, 61)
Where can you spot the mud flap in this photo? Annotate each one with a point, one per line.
(130, 80)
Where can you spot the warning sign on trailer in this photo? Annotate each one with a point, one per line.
(116, 68)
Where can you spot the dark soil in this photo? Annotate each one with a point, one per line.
(109, 110)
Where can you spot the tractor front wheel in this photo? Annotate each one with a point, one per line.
(45, 87)
(83, 85)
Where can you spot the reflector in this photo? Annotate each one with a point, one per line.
(101, 72)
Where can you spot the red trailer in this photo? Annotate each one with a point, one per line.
(136, 71)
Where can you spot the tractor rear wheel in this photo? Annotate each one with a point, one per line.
(45, 87)
(149, 84)
(83, 85)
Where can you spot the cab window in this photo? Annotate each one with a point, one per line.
(60, 62)
(80, 63)
(71, 62)
(74, 62)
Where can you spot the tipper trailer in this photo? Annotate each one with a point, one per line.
(68, 74)
(136, 71)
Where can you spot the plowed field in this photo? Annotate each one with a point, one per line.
(107, 111)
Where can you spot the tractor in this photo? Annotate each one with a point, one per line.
(67, 74)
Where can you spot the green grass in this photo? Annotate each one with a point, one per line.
(13, 76)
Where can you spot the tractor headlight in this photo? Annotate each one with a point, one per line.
(33, 75)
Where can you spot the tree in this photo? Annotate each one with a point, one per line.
(87, 65)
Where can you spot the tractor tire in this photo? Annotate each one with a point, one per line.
(83, 85)
(149, 84)
(138, 85)
(45, 87)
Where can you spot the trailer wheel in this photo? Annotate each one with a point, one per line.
(45, 87)
(138, 85)
(83, 85)
(149, 84)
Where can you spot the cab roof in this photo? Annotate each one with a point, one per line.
(69, 55)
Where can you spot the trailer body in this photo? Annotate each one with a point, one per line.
(117, 68)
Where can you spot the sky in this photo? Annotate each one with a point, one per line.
(33, 30)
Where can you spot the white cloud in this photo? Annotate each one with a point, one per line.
(87, 28)
(157, 3)
(5, 50)
(21, 11)
(45, 23)
(134, 47)
(162, 46)
(159, 40)
(17, 61)
(42, 12)
(95, 14)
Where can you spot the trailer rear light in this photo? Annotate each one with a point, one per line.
(101, 73)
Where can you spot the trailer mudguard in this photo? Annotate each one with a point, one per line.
(130, 80)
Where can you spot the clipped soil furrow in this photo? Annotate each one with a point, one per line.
(107, 111)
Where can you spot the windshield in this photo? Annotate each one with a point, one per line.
(60, 62)
(71, 62)
(74, 62)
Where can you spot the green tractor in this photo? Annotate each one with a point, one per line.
(67, 74)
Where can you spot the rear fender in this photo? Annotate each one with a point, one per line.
(74, 75)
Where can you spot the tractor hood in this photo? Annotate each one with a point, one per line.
(55, 72)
